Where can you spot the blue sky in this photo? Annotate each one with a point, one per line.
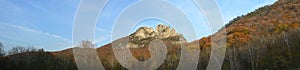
(48, 23)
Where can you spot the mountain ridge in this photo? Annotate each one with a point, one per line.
(270, 32)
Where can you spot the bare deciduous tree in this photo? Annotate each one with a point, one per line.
(2, 52)
(233, 58)
(21, 49)
(87, 44)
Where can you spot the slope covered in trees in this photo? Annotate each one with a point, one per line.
(267, 38)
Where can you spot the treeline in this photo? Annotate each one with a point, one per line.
(18, 49)
(29, 58)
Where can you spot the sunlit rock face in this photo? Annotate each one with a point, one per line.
(144, 35)
(163, 31)
(144, 32)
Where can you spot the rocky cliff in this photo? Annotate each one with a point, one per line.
(144, 35)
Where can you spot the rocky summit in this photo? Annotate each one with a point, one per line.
(144, 35)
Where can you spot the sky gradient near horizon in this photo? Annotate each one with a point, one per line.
(48, 23)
